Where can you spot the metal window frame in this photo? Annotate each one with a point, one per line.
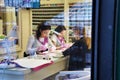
(104, 39)
(117, 67)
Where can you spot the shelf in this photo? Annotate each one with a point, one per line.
(48, 9)
(45, 13)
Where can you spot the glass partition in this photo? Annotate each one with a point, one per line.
(76, 16)
(9, 27)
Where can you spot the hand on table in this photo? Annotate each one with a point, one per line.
(41, 48)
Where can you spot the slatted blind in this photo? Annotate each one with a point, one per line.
(53, 14)
(80, 15)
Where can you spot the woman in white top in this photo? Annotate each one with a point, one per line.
(58, 37)
(40, 42)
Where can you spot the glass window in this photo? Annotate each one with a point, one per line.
(9, 28)
(76, 16)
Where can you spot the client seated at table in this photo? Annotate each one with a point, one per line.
(40, 42)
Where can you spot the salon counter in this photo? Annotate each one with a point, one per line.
(27, 74)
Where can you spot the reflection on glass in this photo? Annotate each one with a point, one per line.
(9, 24)
(79, 26)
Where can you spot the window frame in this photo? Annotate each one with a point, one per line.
(103, 40)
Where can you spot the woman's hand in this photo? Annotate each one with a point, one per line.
(41, 48)
(52, 49)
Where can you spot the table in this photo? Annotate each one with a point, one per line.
(27, 74)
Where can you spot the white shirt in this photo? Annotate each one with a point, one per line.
(56, 40)
(34, 44)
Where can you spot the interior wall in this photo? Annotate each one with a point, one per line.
(25, 24)
(1, 25)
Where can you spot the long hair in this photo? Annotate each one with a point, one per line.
(41, 27)
(60, 28)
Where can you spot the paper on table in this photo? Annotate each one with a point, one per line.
(31, 63)
(56, 54)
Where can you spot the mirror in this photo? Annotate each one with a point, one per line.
(9, 25)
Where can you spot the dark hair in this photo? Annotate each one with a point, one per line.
(60, 28)
(40, 28)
